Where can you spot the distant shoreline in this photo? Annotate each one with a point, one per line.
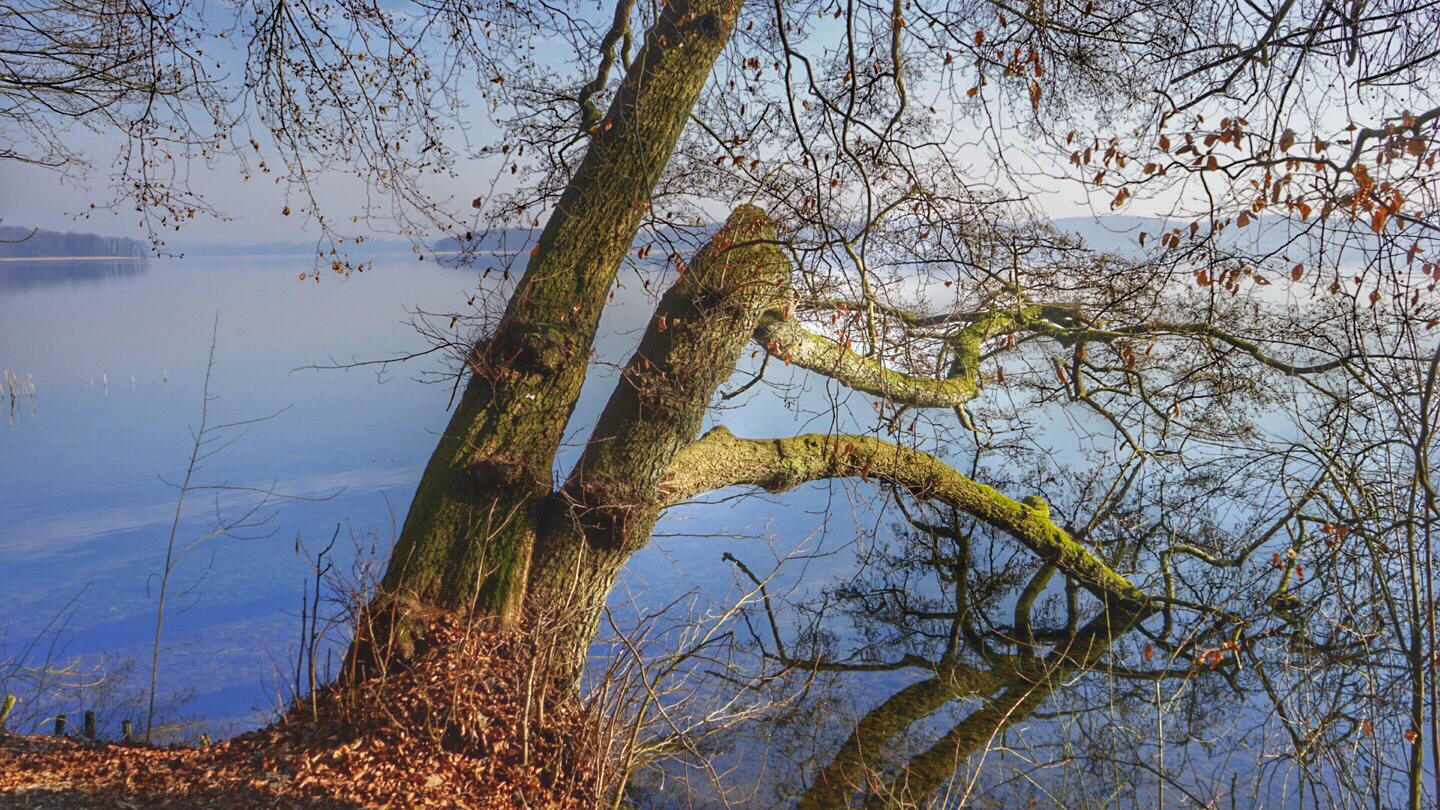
(204, 254)
(71, 258)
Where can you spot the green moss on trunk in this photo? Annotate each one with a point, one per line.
(611, 501)
(467, 540)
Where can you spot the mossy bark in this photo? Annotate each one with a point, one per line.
(722, 459)
(468, 538)
(609, 505)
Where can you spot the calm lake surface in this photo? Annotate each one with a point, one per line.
(117, 353)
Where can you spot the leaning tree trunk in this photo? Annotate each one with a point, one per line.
(468, 538)
(609, 505)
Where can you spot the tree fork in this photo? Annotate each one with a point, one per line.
(467, 539)
(608, 507)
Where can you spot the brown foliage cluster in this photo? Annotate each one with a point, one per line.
(462, 727)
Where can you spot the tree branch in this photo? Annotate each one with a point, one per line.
(787, 339)
(721, 459)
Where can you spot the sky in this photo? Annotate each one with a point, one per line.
(37, 197)
(77, 198)
(254, 210)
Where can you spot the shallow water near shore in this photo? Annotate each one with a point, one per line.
(117, 353)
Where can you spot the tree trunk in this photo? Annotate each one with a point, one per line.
(467, 541)
(609, 505)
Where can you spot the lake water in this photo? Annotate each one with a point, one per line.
(86, 511)
(117, 354)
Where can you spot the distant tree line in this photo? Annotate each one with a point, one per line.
(23, 243)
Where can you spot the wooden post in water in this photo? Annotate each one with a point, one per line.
(127, 730)
(5, 709)
(60, 725)
(89, 725)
